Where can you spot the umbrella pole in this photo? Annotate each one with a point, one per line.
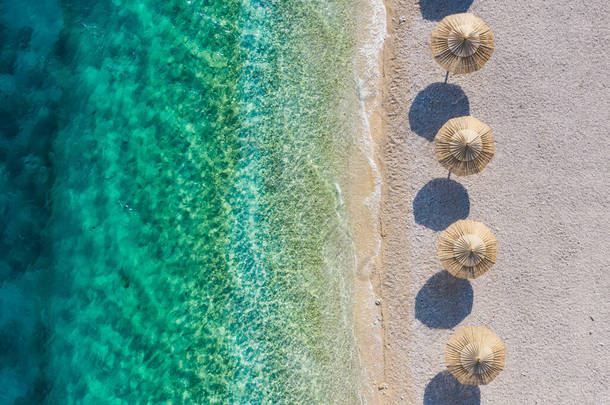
(446, 77)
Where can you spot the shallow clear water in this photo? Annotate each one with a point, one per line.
(172, 222)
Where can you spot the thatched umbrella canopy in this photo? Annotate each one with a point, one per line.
(475, 355)
(467, 249)
(462, 43)
(464, 145)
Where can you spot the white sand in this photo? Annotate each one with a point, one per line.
(545, 195)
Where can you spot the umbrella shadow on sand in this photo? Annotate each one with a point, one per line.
(440, 203)
(444, 389)
(444, 301)
(435, 105)
(436, 10)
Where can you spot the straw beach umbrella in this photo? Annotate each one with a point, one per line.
(467, 249)
(462, 43)
(475, 355)
(464, 145)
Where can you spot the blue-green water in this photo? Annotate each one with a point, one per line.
(172, 229)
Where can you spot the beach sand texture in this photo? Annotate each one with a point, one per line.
(545, 196)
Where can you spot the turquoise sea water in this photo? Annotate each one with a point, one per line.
(173, 230)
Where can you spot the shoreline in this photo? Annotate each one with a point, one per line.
(365, 187)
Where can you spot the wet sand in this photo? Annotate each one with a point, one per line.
(545, 195)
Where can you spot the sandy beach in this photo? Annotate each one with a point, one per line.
(545, 195)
